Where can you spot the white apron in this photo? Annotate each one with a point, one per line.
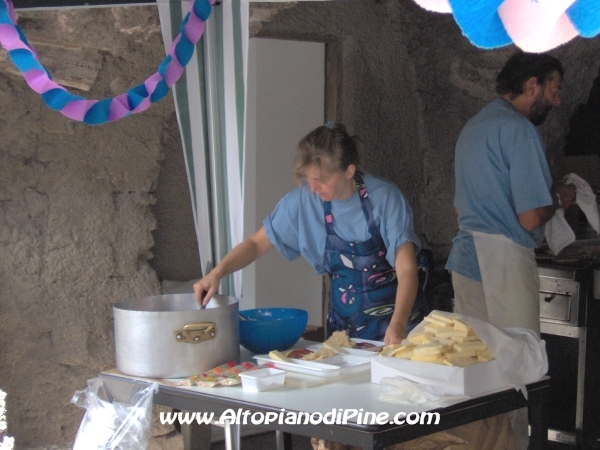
(510, 281)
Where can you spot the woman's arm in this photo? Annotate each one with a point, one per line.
(239, 257)
(408, 282)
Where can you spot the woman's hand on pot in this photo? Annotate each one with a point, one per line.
(206, 287)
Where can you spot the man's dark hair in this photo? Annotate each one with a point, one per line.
(522, 66)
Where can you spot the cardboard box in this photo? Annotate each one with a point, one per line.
(471, 380)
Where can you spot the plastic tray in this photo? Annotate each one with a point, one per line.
(300, 366)
(349, 363)
(366, 352)
(262, 379)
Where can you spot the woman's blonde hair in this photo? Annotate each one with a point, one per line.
(328, 147)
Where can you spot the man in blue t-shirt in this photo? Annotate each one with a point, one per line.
(504, 196)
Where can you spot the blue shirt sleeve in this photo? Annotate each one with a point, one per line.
(530, 179)
(394, 219)
(281, 227)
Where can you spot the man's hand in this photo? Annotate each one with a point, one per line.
(563, 196)
(567, 193)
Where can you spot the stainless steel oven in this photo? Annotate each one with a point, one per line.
(560, 297)
(570, 325)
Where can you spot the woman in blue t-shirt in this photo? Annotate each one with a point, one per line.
(353, 226)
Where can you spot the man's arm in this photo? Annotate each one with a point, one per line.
(535, 218)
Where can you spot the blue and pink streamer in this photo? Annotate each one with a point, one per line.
(95, 112)
(535, 26)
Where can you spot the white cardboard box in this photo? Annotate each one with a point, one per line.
(471, 380)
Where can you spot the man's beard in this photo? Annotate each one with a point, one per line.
(539, 110)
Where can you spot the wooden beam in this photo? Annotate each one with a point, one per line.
(45, 4)
(75, 67)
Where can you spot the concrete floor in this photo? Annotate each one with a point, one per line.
(265, 441)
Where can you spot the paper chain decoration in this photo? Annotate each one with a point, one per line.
(533, 25)
(95, 112)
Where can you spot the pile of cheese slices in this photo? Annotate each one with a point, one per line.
(445, 339)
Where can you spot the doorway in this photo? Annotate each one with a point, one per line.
(285, 100)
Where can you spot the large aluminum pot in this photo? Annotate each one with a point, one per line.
(170, 336)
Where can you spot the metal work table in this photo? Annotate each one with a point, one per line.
(354, 393)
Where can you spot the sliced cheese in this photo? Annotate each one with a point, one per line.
(460, 325)
(429, 340)
(448, 343)
(334, 348)
(441, 330)
(402, 349)
(450, 333)
(278, 356)
(388, 350)
(484, 355)
(444, 339)
(433, 321)
(462, 362)
(428, 349)
(432, 327)
(468, 338)
(404, 355)
(419, 338)
(448, 319)
(463, 354)
(473, 345)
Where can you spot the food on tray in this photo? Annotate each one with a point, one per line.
(220, 369)
(319, 354)
(190, 381)
(334, 348)
(225, 375)
(298, 353)
(363, 345)
(316, 355)
(444, 339)
(340, 339)
(336, 344)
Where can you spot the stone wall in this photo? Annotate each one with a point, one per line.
(76, 228)
(410, 82)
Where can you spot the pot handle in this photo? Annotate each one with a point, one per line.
(194, 333)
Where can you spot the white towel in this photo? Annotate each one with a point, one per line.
(558, 232)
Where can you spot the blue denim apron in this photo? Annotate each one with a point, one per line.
(363, 283)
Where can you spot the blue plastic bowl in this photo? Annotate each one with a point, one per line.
(266, 329)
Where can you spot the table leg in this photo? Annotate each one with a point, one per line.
(196, 436)
(538, 418)
(284, 440)
(232, 436)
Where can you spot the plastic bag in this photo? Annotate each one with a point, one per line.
(118, 416)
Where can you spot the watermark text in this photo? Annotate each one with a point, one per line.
(334, 417)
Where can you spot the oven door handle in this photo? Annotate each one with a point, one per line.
(549, 295)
